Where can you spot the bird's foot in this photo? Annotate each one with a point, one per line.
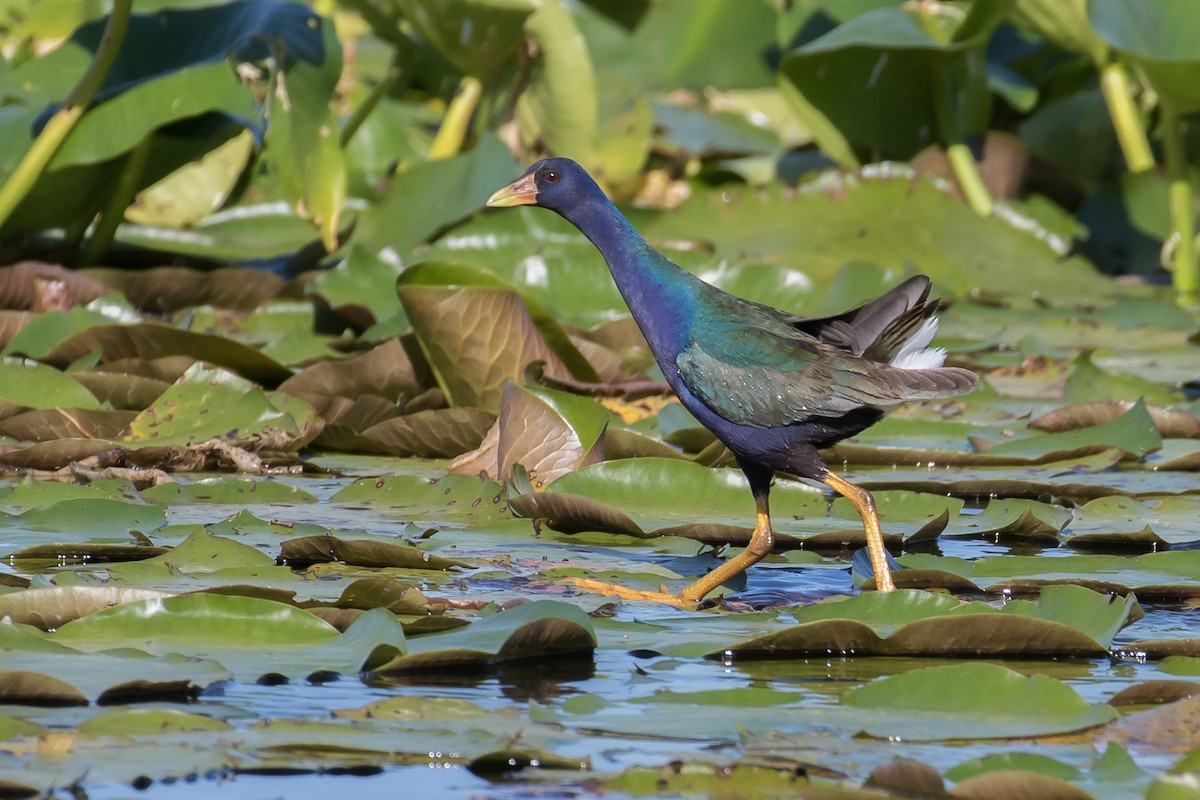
(625, 593)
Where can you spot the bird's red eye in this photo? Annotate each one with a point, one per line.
(551, 177)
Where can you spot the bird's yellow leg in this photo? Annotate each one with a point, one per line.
(761, 542)
(864, 503)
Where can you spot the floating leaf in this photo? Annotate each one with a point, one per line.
(972, 701)
(51, 607)
(539, 630)
(253, 418)
(449, 497)
(1134, 432)
(149, 340)
(18, 687)
(240, 491)
(436, 433)
(476, 340)
(40, 386)
(363, 553)
(1067, 620)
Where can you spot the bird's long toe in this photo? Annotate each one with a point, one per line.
(626, 593)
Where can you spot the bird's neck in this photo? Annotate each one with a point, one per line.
(660, 294)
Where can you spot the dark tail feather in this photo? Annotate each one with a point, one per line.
(859, 329)
(929, 384)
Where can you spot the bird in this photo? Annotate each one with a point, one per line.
(772, 386)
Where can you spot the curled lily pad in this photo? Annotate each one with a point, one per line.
(364, 553)
(1154, 693)
(1170, 424)
(201, 551)
(534, 631)
(1170, 576)
(1171, 727)
(1017, 783)
(385, 370)
(547, 432)
(66, 423)
(50, 607)
(429, 434)
(1067, 620)
(396, 596)
(20, 687)
(476, 339)
(149, 340)
(455, 273)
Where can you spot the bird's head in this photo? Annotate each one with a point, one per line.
(553, 183)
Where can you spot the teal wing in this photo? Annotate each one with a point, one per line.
(758, 377)
(756, 365)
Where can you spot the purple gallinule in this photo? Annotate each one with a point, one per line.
(772, 386)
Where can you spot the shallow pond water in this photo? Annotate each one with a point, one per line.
(646, 697)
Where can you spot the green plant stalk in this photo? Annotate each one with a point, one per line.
(1131, 136)
(118, 200)
(453, 133)
(962, 160)
(34, 162)
(360, 114)
(1185, 271)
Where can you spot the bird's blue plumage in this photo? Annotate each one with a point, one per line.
(772, 386)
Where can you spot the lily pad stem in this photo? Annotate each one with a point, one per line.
(33, 164)
(1185, 271)
(118, 200)
(360, 114)
(958, 152)
(1114, 85)
(453, 133)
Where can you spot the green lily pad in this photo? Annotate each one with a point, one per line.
(149, 722)
(225, 490)
(973, 701)
(267, 420)
(1066, 621)
(648, 497)
(881, 217)
(1126, 522)
(41, 386)
(1134, 433)
(418, 498)
(95, 517)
